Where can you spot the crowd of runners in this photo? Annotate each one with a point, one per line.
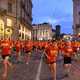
(50, 49)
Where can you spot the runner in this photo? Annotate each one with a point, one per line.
(51, 55)
(77, 50)
(6, 52)
(18, 50)
(68, 52)
(28, 50)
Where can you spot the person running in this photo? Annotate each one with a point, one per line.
(18, 50)
(6, 52)
(28, 50)
(68, 52)
(51, 55)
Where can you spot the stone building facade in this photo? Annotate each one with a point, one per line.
(76, 16)
(16, 19)
(42, 31)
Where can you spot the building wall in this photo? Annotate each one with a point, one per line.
(76, 16)
(18, 17)
(42, 32)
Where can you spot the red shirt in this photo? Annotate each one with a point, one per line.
(68, 50)
(28, 46)
(51, 52)
(6, 48)
(18, 46)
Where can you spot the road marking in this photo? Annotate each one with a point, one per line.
(39, 69)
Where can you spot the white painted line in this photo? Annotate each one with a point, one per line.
(39, 69)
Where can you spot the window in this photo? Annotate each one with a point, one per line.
(19, 34)
(79, 12)
(43, 32)
(19, 27)
(22, 28)
(22, 35)
(9, 22)
(34, 32)
(1, 27)
(10, 7)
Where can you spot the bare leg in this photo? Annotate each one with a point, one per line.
(5, 69)
(66, 69)
(69, 69)
(28, 57)
(53, 70)
(17, 56)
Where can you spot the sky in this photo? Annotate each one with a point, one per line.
(55, 12)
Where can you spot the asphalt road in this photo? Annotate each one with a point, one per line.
(37, 69)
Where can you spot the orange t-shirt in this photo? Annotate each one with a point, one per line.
(6, 48)
(18, 46)
(68, 51)
(51, 52)
(40, 45)
(62, 46)
(35, 44)
(28, 46)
